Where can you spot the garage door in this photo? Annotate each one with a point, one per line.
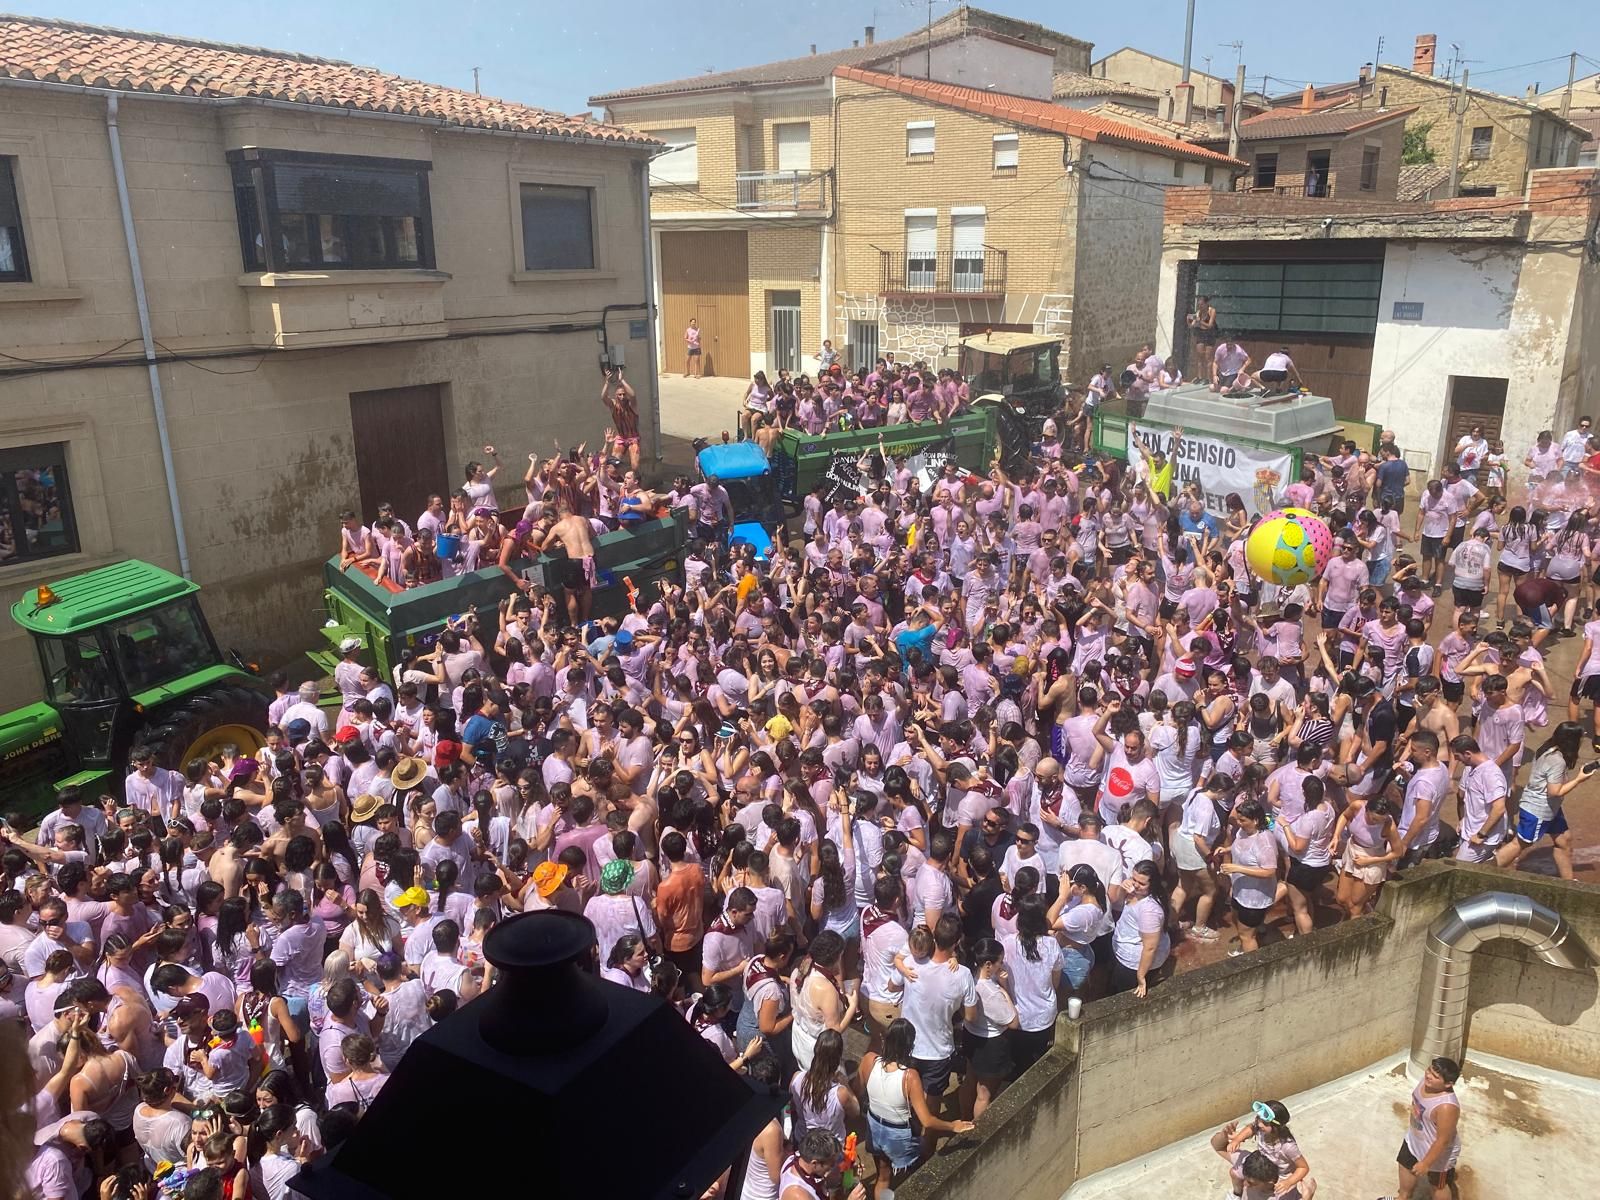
(706, 276)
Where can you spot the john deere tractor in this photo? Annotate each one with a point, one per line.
(128, 660)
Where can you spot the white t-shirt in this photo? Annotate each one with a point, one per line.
(931, 1003)
(1033, 980)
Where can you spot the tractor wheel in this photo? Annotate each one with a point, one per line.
(200, 725)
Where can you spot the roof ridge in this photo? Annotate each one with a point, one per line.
(180, 40)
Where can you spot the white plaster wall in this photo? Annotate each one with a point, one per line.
(1167, 297)
(1490, 310)
(980, 62)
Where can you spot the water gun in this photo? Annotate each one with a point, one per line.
(258, 1035)
(847, 1177)
(633, 592)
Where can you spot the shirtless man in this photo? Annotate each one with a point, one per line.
(618, 396)
(1436, 715)
(572, 533)
(767, 435)
(227, 865)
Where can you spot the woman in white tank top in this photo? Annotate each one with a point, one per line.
(894, 1096)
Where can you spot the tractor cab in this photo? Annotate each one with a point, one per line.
(743, 470)
(1022, 368)
(127, 658)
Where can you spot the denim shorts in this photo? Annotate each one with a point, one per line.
(897, 1143)
(1075, 964)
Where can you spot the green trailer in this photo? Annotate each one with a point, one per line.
(972, 438)
(388, 621)
(128, 660)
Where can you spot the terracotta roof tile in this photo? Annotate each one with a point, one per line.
(1197, 132)
(1418, 180)
(1292, 123)
(124, 61)
(1036, 114)
(1074, 85)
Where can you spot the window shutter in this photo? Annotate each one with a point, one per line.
(1005, 150)
(966, 234)
(794, 146)
(919, 137)
(922, 236)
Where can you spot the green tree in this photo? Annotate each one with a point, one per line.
(1415, 151)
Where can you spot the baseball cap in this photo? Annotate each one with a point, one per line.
(412, 897)
(346, 734)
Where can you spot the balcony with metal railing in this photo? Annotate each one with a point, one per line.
(782, 191)
(1314, 185)
(944, 272)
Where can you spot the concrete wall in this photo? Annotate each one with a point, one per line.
(1135, 66)
(979, 62)
(1134, 1075)
(1499, 310)
(262, 443)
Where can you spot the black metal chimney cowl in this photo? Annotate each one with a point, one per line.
(553, 1079)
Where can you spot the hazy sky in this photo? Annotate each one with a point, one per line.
(557, 55)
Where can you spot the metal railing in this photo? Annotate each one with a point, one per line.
(957, 272)
(781, 191)
(1313, 185)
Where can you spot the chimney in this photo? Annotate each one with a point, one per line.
(813, 48)
(1422, 55)
(1183, 103)
(1365, 75)
(871, 33)
(1308, 98)
(1533, 91)
(855, 43)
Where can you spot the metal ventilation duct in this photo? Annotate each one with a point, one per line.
(1441, 1022)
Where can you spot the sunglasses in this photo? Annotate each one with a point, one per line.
(1026, 841)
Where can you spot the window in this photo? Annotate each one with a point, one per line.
(922, 243)
(794, 145)
(919, 138)
(161, 645)
(863, 344)
(75, 671)
(1369, 168)
(1005, 152)
(13, 253)
(1481, 189)
(966, 244)
(1177, 168)
(1267, 170)
(1482, 142)
(35, 504)
(557, 227)
(681, 163)
(1211, 174)
(324, 212)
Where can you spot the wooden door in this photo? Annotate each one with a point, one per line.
(1475, 400)
(399, 444)
(1339, 368)
(705, 274)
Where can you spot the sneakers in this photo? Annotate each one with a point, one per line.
(1204, 932)
(1437, 591)
(1566, 631)
(1236, 952)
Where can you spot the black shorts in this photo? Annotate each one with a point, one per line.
(1456, 536)
(1403, 716)
(1168, 609)
(935, 1075)
(1250, 918)
(1452, 692)
(694, 351)
(1587, 689)
(1104, 948)
(1432, 548)
(1514, 572)
(1396, 501)
(1027, 1047)
(1272, 376)
(1408, 1160)
(988, 1058)
(1121, 554)
(1467, 597)
(1308, 879)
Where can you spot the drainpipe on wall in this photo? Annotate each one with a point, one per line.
(157, 398)
(642, 169)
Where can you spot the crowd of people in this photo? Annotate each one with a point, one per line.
(963, 753)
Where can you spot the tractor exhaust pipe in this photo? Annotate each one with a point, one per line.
(1441, 1022)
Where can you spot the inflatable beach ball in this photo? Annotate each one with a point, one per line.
(1289, 546)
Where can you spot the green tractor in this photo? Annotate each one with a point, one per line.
(128, 660)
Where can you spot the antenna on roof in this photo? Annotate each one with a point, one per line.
(475, 91)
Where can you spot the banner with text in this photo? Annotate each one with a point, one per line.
(1258, 475)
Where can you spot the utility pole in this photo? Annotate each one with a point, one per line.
(1188, 42)
(1460, 111)
(1237, 115)
(1572, 71)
